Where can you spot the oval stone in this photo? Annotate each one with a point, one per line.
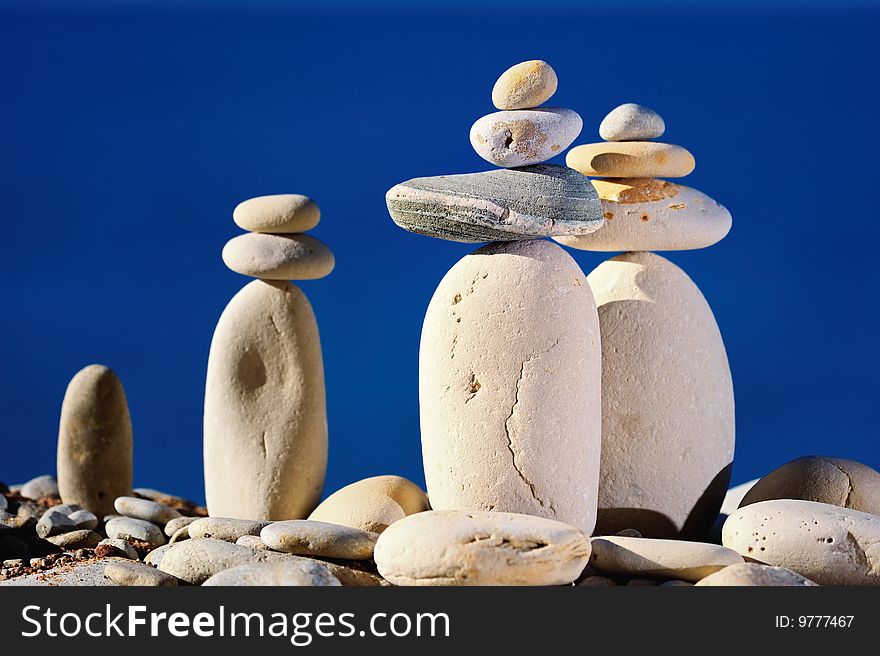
(310, 538)
(225, 528)
(480, 548)
(278, 257)
(127, 528)
(671, 559)
(296, 573)
(631, 159)
(755, 574)
(174, 525)
(835, 481)
(826, 544)
(646, 214)
(524, 85)
(39, 487)
(137, 574)
(509, 385)
(278, 213)
(372, 504)
(94, 441)
(667, 401)
(525, 137)
(631, 122)
(265, 409)
(149, 511)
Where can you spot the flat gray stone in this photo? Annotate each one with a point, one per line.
(306, 537)
(83, 519)
(137, 574)
(127, 528)
(631, 122)
(502, 205)
(41, 486)
(288, 573)
(225, 528)
(53, 523)
(149, 511)
(79, 539)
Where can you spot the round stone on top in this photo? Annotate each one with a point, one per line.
(525, 85)
(280, 213)
(631, 122)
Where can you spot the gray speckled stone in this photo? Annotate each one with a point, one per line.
(83, 519)
(228, 529)
(501, 205)
(631, 122)
(293, 573)
(79, 539)
(53, 522)
(127, 528)
(41, 486)
(149, 511)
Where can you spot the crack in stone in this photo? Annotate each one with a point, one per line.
(848, 481)
(516, 466)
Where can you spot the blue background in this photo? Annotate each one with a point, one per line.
(129, 134)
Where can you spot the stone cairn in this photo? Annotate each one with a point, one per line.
(513, 382)
(265, 410)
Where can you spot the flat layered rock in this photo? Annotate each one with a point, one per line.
(631, 159)
(310, 538)
(295, 573)
(824, 543)
(452, 548)
(646, 214)
(670, 559)
(755, 574)
(525, 137)
(502, 205)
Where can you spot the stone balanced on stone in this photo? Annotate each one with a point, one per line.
(509, 362)
(667, 393)
(265, 424)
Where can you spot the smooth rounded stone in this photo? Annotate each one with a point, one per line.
(525, 85)
(501, 205)
(646, 214)
(296, 573)
(251, 541)
(154, 558)
(66, 508)
(755, 574)
(278, 213)
(306, 537)
(78, 539)
(667, 401)
(179, 535)
(835, 481)
(631, 159)
(225, 528)
(120, 547)
(127, 528)
(278, 257)
(525, 137)
(372, 504)
(632, 122)
(480, 548)
(137, 574)
(149, 511)
(509, 386)
(174, 525)
(53, 522)
(735, 495)
(827, 544)
(265, 409)
(39, 487)
(596, 582)
(651, 558)
(94, 441)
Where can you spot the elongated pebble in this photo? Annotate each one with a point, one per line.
(278, 213)
(137, 574)
(293, 573)
(225, 528)
(646, 557)
(631, 159)
(310, 538)
(278, 257)
(149, 511)
(127, 528)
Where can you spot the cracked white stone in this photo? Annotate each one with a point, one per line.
(509, 368)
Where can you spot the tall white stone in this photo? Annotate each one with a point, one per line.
(667, 400)
(265, 411)
(509, 385)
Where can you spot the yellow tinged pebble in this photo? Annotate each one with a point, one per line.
(631, 159)
(525, 85)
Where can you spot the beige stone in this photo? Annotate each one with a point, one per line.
(252, 541)
(509, 385)
(137, 574)
(667, 401)
(480, 548)
(265, 410)
(525, 85)
(670, 559)
(278, 213)
(94, 441)
(631, 159)
(755, 574)
(835, 481)
(225, 528)
(525, 137)
(372, 504)
(826, 544)
(646, 214)
(306, 537)
(295, 573)
(278, 257)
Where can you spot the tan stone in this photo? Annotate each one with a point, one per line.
(480, 548)
(525, 85)
(372, 504)
(265, 409)
(631, 159)
(646, 214)
(826, 544)
(509, 385)
(306, 537)
(278, 213)
(671, 559)
(278, 257)
(667, 401)
(94, 441)
(755, 574)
